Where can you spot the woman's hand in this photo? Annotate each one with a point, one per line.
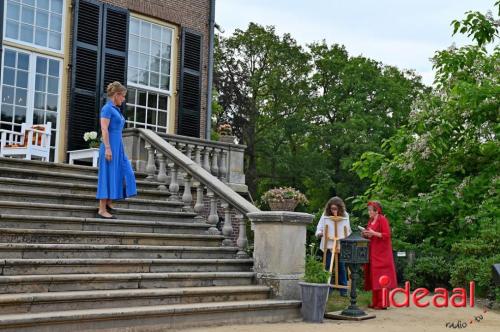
(108, 153)
(370, 233)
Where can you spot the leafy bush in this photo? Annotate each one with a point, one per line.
(468, 269)
(429, 272)
(314, 272)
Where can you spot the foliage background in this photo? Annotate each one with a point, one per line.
(328, 123)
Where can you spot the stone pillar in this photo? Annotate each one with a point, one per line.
(280, 250)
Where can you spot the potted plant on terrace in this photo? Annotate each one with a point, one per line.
(226, 133)
(284, 198)
(92, 139)
(314, 289)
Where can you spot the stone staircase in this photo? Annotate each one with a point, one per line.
(153, 269)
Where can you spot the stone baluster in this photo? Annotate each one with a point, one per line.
(242, 238)
(215, 163)
(180, 173)
(180, 147)
(169, 171)
(223, 166)
(213, 217)
(199, 207)
(150, 166)
(227, 229)
(197, 155)
(187, 197)
(206, 159)
(189, 150)
(174, 185)
(162, 172)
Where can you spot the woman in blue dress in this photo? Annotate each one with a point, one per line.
(116, 178)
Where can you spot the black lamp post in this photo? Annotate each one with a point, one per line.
(354, 252)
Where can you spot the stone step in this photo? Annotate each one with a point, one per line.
(79, 300)
(20, 195)
(155, 318)
(53, 175)
(64, 210)
(11, 267)
(72, 188)
(9, 235)
(105, 225)
(53, 251)
(37, 165)
(109, 281)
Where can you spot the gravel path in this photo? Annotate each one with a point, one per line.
(410, 319)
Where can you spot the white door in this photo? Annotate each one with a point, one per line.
(30, 92)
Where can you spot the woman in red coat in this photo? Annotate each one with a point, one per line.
(381, 261)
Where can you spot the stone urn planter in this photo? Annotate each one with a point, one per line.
(314, 298)
(284, 205)
(227, 139)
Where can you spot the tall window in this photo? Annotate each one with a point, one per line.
(149, 74)
(29, 91)
(35, 22)
(15, 76)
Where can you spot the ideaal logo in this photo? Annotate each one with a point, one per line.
(458, 299)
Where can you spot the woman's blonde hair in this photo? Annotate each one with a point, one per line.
(114, 88)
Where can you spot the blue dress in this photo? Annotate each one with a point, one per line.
(116, 178)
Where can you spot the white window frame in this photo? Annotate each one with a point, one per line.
(20, 42)
(146, 107)
(147, 87)
(31, 89)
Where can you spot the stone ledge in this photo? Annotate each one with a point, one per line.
(280, 217)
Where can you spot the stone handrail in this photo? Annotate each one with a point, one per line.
(199, 141)
(175, 169)
(198, 172)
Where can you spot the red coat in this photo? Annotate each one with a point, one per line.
(381, 257)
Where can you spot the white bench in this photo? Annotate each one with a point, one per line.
(85, 154)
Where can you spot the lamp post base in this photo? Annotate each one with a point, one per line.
(338, 315)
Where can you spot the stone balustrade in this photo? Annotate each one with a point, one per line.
(223, 160)
(194, 172)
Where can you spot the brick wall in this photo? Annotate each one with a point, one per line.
(193, 14)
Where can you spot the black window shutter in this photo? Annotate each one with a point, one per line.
(115, 48)
(85, 71)
(190, 84)
(100, 45)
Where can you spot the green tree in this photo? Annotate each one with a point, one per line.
(307, 115)
(263, 88)
(358, 102)
(483, 28)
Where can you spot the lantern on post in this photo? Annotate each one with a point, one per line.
(354, 252)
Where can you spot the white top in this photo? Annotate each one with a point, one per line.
(325, 220)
